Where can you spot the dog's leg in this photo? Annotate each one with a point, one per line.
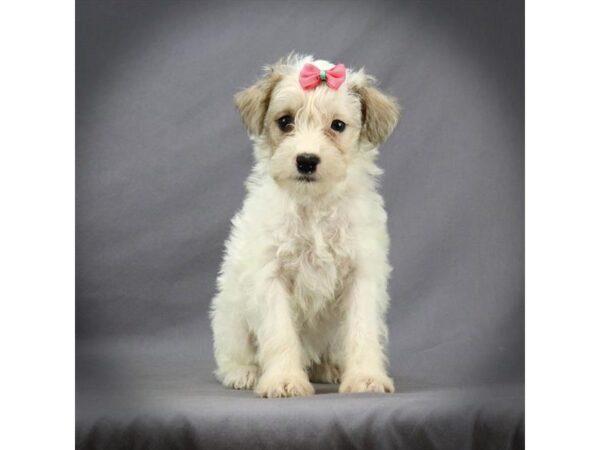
(364, 334)
(325, 372)
(279, 349)
(235, 350)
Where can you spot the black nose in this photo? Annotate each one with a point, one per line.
(307, 162)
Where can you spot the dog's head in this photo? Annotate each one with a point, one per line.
(309, 138)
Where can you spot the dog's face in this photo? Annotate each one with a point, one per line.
(310, 138)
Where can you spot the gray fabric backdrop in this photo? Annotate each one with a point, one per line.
(161, 161)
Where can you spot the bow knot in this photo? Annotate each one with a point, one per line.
(311, 76)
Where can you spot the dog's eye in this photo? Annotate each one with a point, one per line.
(338, 125)
(285, 123)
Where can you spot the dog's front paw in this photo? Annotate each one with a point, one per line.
(241, 377)
(373, 382)
(286, 384)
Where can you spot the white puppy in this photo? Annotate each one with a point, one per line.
(302, 292)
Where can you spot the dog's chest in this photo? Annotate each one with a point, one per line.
(315, 254)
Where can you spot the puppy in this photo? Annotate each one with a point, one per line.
(302, 291)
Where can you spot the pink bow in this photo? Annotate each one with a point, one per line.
(311, 76)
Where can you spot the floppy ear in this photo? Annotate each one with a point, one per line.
(252, 103)
(380, 112)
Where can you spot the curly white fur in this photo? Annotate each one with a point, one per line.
(302, 292)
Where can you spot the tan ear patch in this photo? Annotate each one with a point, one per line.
(252, 103)
(380, 114)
